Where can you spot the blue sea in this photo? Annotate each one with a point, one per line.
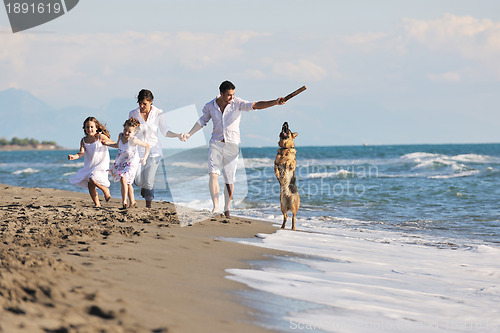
(451, 191)
(380, 229)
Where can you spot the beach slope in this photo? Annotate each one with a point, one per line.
(68, 267)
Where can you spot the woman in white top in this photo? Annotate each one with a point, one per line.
(151, 121)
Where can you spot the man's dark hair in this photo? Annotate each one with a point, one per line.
(144, 94)
(226, 85)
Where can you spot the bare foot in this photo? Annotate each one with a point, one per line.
(107, 195)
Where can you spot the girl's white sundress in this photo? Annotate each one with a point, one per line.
(126, 162)
(95, 165)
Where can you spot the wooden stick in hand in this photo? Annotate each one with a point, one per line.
(295, 93)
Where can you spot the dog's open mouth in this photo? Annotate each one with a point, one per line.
(285, 131)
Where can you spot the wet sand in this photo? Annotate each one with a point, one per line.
(68, 267)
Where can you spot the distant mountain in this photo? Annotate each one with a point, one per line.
(25, 115)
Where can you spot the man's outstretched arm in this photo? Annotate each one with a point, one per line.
(267, 104)
(196, 127)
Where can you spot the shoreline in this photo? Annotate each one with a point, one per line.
(31, 148)
(67, 265)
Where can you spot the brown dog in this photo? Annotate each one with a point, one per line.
(284, 169)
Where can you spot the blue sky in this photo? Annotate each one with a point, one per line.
(377, 72)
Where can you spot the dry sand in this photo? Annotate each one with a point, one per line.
(68, 267)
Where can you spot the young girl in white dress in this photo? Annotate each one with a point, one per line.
(94, 174)
(127, 161)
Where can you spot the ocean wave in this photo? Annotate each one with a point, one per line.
(28, 170)
(490, 171)
(440, 163)
(190, 165)
(41, 165)
(342, 174)
(345, 162)
(403, 175)
(475, 158)
(71, 165)
(441, 166)
(421, 157)
(322, 223)
(456, 175)
(259, 162)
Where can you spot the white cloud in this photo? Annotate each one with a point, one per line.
(456, 49)
(260, 138)
(471, 45)
(302, 70)
(200, 50)
(470, 38)
(254, 74)
(451, 77)
(450, 28)
(47, 64)
(191, 49)
(366, 41)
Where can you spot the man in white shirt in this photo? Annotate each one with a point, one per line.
(225, 112)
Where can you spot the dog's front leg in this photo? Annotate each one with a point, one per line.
(285, 216)
(277, 172)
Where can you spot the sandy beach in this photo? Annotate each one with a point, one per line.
(68, 267)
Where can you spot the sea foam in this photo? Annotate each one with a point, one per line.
(361, 285)
(23, 171)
